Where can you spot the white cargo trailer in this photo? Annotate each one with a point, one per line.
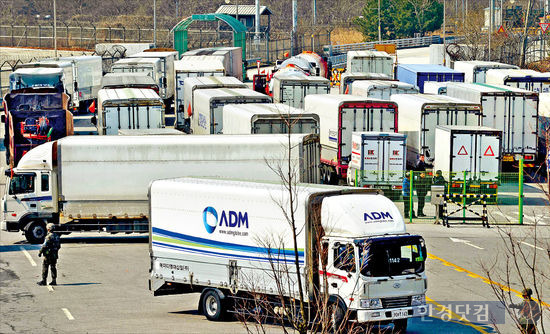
(190, 67)
(511, 110)
(100, 183)
(129, 80)
(149, 132)
(347, 78)
(378, 161)
(470, 157)
(148, 66)
(267, 118)
(476, 70)
(419, 114)
(167, 59)
(128, 108)
(197, 83)
(233, 58)
(230, 241)
(435, 87)
(208, 106)
(522, 78)
(381, 89)
(81, 80)
(291, 87)
(340, 115)
(370, 61)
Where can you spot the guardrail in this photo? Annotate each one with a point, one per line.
(403, 43)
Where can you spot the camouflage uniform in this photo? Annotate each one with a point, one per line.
(50, 250)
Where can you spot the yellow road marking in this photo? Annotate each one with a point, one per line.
(459, 320)
(483, 279)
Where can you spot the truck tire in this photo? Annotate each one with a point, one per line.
(337, 315)
(35, 232)
(400, 326)
(212, 305)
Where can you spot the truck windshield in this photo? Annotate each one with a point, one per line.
(392, 256)
(22, 184)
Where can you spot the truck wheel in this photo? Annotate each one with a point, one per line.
(212, 305)
(400, 326)
(337, 314)
(333, 178)
(35, 232)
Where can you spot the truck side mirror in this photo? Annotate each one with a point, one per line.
(7, 172)
(3, 118)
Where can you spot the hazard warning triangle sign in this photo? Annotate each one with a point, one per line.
(544, 27)
(462, 151)
(489, 152)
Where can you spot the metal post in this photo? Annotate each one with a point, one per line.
(444, 30)
(379, 25)
(257, 20)
(464, 199)
(411, 211)
(314, 12)
(491, 21)
(54, 30)
(520, 201)
(294, 27)
(155, 23)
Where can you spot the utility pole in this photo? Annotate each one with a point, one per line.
(379, 25)
(444, 31)
(491, 22)
(257, 35)
(155, 23)
(54, 30)
(314, 12)
(294, 27)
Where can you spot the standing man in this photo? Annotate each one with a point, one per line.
(49, 249)
(439, 180)
(421, 192)
(407, 195)
(529, 312)
(420, 164)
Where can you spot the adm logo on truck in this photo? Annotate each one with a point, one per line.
(377, 217)
(226, 219)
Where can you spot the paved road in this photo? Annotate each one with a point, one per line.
(103, 285)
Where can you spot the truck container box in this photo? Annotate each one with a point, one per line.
(378, 89)
(149, 66)
(370, 61)
(149, 132)
(167, 59)
(347, 78)
(291, 87)
(208, 106)
(128, 80)
(128, 108)
(417, 74)
(340, 115)
(233, 59)
(419, 114)
(267, 118)
(525, 79)
(435, 88)
(476, 70)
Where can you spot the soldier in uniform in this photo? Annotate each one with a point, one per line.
(49, 249)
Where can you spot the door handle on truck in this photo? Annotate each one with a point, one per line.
(334, 285)
(33, 205)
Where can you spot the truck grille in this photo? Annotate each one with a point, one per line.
(396, 302)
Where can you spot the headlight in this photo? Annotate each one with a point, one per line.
(371, 303)
(418, 300)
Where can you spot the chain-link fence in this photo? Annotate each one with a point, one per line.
(463, 198)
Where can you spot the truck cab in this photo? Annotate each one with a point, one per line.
(27, 202)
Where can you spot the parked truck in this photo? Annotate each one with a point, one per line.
(435, 88)
(379, 89)
(511, 110)
(419, 114)
(193, 84)
(267, 118)
(129, 80)
(290, 87)
(81, 79)
(370, 61)
(522, 78)
(476, 70)
(470, 157)
(232, 59)
(48, 184)
(190, 67)
(340, 115)
(151, 67)
(208, 106)
(33, 116)
(378, 161)
(307, 62)
(348, 78)
(351, 245)
(128, 108)
(417, 74)
(167, 59)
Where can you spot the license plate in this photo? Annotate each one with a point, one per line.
(400, 314)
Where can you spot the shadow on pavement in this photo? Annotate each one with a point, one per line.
(436, 325)
(17, 247)
(135, 239)
(76, 284)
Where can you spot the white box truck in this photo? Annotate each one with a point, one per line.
(522, 78)
(476, 70)
(340, 115)
(470, 157)
(419, 114)
(267, 118)
(128, 108)
(290, 87)
(149, 66)
(378, 161)
(370, 61)
(511, 110)
(191, 84)
(99, 183)
(347, 78)
(381, 89)
(81, 80)
(190, 67)
(435, 87)
(207, 116)
(230, 241)
(233, 58)
(129, 80)
(167, 59)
